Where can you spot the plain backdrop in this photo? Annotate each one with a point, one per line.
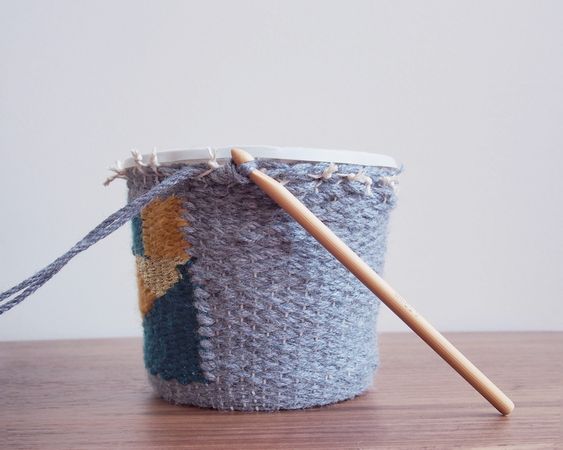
(467, 95)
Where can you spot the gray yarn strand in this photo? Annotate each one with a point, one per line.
(104, 229)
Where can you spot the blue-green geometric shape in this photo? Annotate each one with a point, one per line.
(137, 228)
(170, 329)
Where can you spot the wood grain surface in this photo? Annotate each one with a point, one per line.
(94, 394)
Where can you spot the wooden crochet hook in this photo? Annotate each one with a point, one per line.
(377, 285)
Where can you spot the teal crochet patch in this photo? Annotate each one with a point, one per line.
(137, 226)
(171, 338)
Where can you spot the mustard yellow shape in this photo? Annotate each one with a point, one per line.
(165, 247)
(158, 275)
(163, 234)
(146, 297)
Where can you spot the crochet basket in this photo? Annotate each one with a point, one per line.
(241, 308)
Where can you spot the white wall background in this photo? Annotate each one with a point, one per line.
(468, 95)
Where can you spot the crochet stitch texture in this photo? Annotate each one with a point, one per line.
(242, 308)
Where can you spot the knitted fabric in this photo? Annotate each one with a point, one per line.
(170, 334)
(137, 229)
(262, 317)
(18, 293)
(160, 243)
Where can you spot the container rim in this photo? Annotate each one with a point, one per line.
(362, 158)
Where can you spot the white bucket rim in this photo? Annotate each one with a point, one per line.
(361, 158)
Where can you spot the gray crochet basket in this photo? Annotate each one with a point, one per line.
(242, 309)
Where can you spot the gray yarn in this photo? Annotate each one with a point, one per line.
(283, 324)
(108, 226)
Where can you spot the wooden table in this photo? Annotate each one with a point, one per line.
(93, 394)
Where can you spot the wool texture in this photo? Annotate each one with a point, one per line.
(170, 334)
(161, 246)
(260, 316)
(137, 230)
(18, 293)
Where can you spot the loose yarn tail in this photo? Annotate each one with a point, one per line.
(27, 287)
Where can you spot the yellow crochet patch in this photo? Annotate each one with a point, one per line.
(158, 275)
(146, 297)
(163, 236)
(164, 248)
